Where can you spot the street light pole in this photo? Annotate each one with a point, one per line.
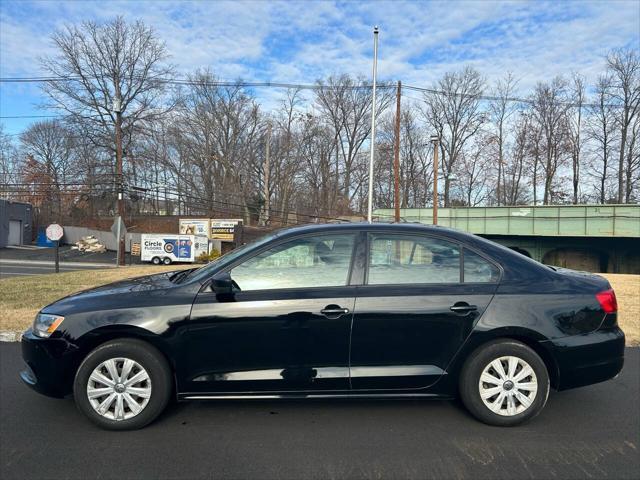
(396, 156)
(117, 108)
(373, 123)
(434, 140)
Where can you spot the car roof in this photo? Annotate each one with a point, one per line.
(377, 226)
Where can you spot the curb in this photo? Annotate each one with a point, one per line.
(10, 336)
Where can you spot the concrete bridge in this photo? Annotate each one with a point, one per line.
(596, 238)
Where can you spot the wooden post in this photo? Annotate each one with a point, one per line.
(267, 197)
(396, 156)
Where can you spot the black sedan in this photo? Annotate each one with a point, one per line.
(350, 310)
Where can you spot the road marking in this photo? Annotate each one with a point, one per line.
(50, 262)
(51, 266)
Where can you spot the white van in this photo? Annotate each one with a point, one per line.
(167, 248)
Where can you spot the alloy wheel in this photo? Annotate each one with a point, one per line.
(508, 386)
(119, 389)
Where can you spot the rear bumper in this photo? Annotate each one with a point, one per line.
(50, 364)
(588, 359)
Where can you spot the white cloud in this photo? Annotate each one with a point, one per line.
(302, 41)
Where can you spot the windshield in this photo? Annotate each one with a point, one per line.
(205, 272)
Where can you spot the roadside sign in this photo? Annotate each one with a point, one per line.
(223, 229)
(194, 226)
(135, 249)
(54, 232)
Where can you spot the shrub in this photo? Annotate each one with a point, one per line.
(207, 257)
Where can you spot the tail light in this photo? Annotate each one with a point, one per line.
(607, 300)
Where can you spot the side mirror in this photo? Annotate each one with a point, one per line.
(222, 284)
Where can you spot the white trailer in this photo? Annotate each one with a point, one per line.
(167, 248)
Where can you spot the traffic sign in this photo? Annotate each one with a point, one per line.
(54, 232)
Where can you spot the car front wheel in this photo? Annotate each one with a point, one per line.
(504, 383)
(123, 384)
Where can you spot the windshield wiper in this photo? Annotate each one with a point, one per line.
(180, 276)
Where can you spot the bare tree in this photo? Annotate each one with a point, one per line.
(514, 170)
(415, 163)
(454, 113)
(501, 108)
(346, 103)
(219, 141)
(473, 173)
(50, 162)
(549, 108)
(8, 162)
(100, 65)
(624, 67)
(601, 130)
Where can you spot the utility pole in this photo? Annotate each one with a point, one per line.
(435, 140)
(117, 107)
(396, 155)
(373, 123)
(267, 195)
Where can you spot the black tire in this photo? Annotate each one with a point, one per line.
(166, 261)
(475, 365)
(145, 355)
(155, 261)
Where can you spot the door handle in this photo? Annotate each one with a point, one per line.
(463, 307)
(334, 311)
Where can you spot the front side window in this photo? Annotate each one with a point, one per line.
(407, 259)
(318, 261)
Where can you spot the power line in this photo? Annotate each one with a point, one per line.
(300, 86)
(30, 116)
(197, 82)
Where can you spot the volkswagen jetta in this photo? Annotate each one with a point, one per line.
(356, 310)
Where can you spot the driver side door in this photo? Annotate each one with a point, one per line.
(284, 328)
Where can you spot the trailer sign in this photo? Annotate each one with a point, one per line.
(172, 248)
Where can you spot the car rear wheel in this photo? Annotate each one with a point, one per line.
(166, 261)
(123, 384)
(504, 383)
(155, 261)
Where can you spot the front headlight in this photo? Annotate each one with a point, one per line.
(45, 324)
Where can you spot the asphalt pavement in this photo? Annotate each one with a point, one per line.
(31, 260)
(592, 432)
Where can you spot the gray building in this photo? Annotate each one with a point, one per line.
(15, 223)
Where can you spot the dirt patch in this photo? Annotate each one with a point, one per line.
(627, 288)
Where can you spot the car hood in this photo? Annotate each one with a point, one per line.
(120, 291)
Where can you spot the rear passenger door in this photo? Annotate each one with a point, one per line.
(421, 298)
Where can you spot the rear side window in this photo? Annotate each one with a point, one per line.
(407, 259)
(479, 270)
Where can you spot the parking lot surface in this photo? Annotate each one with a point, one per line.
(593, 432)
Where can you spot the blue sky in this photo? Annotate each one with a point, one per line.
(302, 41)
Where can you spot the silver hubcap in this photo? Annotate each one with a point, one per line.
(119, 389)
(508, 386)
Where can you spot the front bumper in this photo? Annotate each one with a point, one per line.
(587, 359)
(51, 364)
